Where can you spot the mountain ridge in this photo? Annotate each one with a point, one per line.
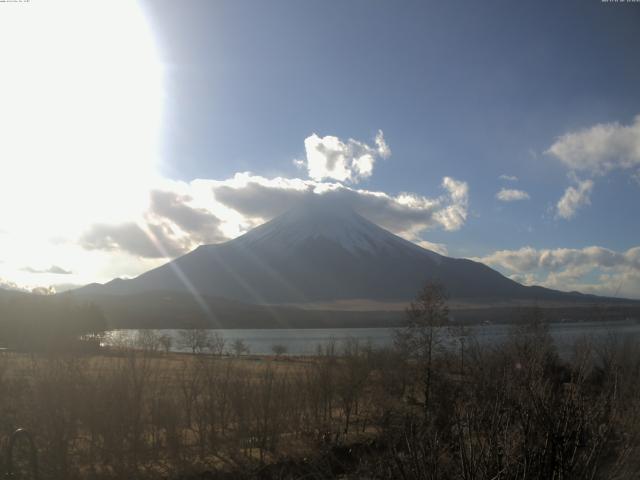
(320, 252)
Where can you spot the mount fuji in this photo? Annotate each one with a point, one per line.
(318, 252)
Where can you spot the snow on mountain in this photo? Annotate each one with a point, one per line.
(317, 220)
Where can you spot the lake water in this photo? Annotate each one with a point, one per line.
(306, 341)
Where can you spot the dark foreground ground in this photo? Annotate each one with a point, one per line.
(512, 411)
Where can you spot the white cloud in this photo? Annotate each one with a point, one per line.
(453, 215)
(574, 198)
(9, 285)
(345, 161)
(601, 148)
(383, 149)
(182, 216)
(406, 214)
(509, 178)
(171, 225)
(511, 195)
(520, 261)
(524, 278)
(148, 241)
(529, 258)
(591, 269)
(14, 287)
(198, 223)
(440, 248)
(594, 151)
(170, 218)
(50, 290)
(53, 269)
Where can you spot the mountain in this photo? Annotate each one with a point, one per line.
(318, 252)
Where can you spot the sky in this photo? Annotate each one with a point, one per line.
(505, 132)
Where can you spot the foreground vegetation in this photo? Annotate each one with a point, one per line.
(513, 412)
(420, 410)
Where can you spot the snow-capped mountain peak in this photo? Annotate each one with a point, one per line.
(318, 220)
(322, 251)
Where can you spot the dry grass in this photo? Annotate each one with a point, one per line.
(511, 412)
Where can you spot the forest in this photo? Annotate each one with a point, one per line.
(36, 323)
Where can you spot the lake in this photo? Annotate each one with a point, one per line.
(306, 341)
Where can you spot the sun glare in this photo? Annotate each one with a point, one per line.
(80, 111)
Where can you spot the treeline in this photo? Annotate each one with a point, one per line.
(42, 322)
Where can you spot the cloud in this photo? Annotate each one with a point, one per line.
(594, 151)
(381, 146)
(14, 287)
(509, 178)
(454, 214)
(528, 258)
(345, 161)
(153, 241)
(172, 226)
(54, 269)
(574, 198)
(511, 195)
(617, 273)
(181, 216)
(168, 228)
(260, 197)
(43, 290)
(406, 214)
(440, 248)
(9, 285)
(599, 149)
(201, 225)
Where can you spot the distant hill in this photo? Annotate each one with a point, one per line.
(38, 322)
(4, 293)
(159, 309)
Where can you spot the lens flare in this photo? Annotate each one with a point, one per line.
(81, 103)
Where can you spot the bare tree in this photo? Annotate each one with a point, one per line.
(197, 339)
(351, 378)
(426, 315)
(216, 344)
(461, 337)
(148, 340)
(239, 347)
(166, 341)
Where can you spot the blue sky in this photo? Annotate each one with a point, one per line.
(470, 91)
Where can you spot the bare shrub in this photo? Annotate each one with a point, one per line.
(279, 350)
(216, 344)
(148, 340)
(195, 339)
(239, 347)
(166, 342)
